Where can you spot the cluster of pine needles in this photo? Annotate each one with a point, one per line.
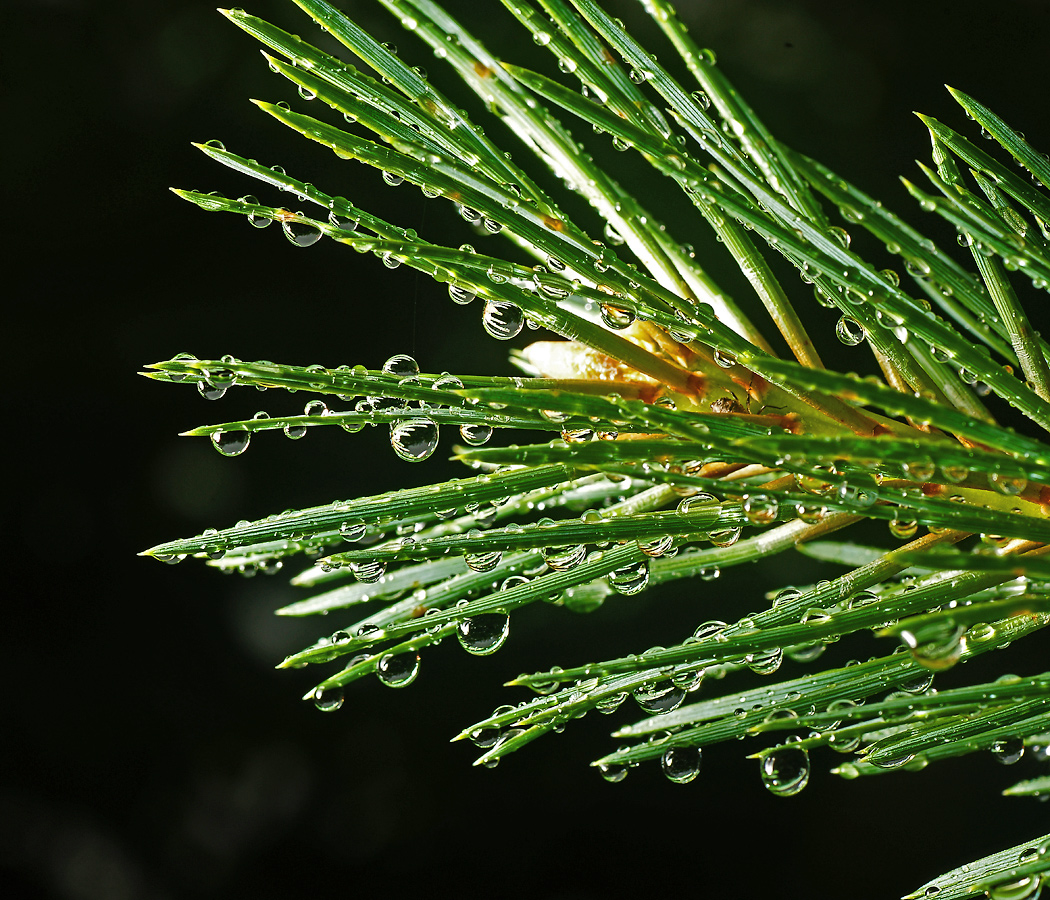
(669, 439)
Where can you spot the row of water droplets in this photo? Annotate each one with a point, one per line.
(502, 319)
(413, 438)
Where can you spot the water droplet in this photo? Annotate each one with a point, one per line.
(903, 529)
(726, 537)
(612, 772)
(393, 179)
(484, 634)
(765, 662)
(502, 319)
(936, 646)
(697, 503)
(849, 331)
(231, 443)
(1028, 855)
(856, 496)
(209, 391)
(710, 630)
(1027, 888)
(401, 366)
(785, 771)
(839, 235)
(562, 559)
(688, 680)
(1009, 751)
(723, 359)
(681, 764)
(256, 219)
(475, 433)
(804, 653)
(1011, 485)
(460, 294)
(890, 276)
(328, 699)
(415, 439)
(919, 469)
(351, 532)
(368, 571)
(610, 704)
(955, 473)
(656, 547)
(343, 223)
(760, 509)
(979, 633)
(398, 670)
(616, 317)
(658, 697)
(919, 684)
(577, 435)
(294, 432)
(302, 234)
(484, 561)
(702, 99)
(631, 579)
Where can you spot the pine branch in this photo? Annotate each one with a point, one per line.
(682, 444)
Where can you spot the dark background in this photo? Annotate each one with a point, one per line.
(150, 749)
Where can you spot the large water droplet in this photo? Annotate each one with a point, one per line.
(785, 771)
(937, 646)
(302, 234)
(502, 319)
(398, 670)
(616, 317)
(475, 433)
(1027, 888)
(630, 579)
(1009, 751)
(562, 559)
(255, 218)
(461, 295)
(414, 439)
(612, 772)
(761, 509)
(658, 697)
(368, 571)
(231, 443)
(1011, 485)
(765, 662)
(903, 529)
(696, 503)
(485, 561)
(401, 365)
(681, 764)
(328, 699)
(849, 331)
(484, 634)
(209, 391)
(656, 547)
(485, 737)
(351, 532)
